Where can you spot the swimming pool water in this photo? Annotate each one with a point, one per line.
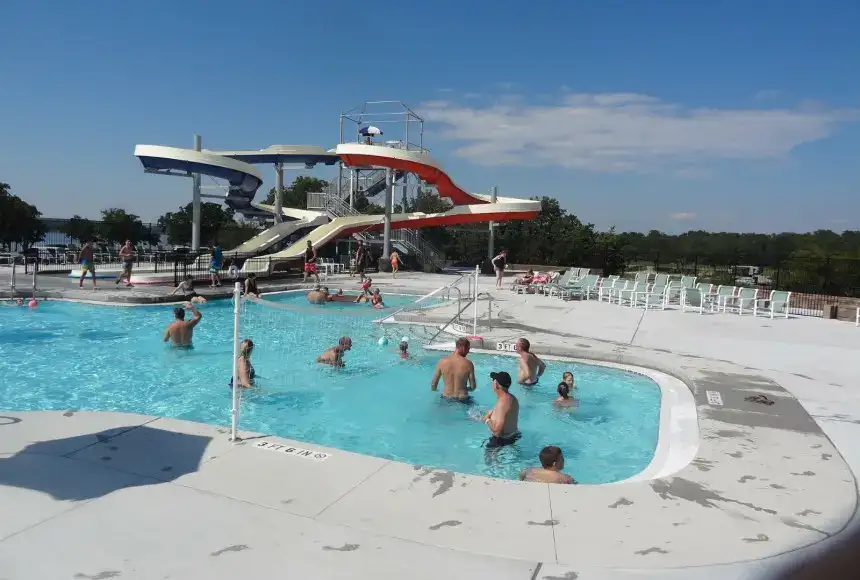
(81, 357)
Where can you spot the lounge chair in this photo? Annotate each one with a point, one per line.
(776, 303)
(583, 288)
(705, 288)
(611, 292)
(688, 281)
(673, 292)
(723, 295)
(656, 297)
(628, 294)
(660, 280)
(554, 288)
(746, 297)
(694, 299)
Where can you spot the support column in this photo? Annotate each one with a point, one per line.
(195, 202)
(352, 184)
(279, 192)
(494, 194)
(389, 200)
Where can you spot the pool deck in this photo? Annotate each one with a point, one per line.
(143, 497)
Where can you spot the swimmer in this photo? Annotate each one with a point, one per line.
(457, 373)
(531, 367)
(503, 419)
(376, 299)
(340, 297)
(246, 369)
(564, 399)
(317, 295)
(181, 331)
(365, 285)
(334, 355)
(552, 462)
(567, 378)
(403, 350)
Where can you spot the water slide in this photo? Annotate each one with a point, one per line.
(469, 207)
(237, 168)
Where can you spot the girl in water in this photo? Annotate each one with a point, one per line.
(246, 369)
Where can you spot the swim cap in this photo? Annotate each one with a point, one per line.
(383, 341)
(32, 303)
(404, 339)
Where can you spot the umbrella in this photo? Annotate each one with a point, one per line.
(370, 131)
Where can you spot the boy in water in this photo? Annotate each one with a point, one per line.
(552, 462)
(404, 349)
(564, 399)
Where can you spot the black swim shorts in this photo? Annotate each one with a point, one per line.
(495, 441)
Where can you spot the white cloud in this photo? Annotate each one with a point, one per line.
(683, 216)
(624, 132)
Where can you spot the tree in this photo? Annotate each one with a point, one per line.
(118, 226)
(19, 221)
(213, 218)
(79, 229)
(296, 195)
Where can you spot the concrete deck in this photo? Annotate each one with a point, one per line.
(141, 497)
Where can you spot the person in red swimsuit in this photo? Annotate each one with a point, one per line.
(310, 263)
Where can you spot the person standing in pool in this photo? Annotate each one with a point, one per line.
(85, 258)
(564, 399)
(126, 254)
(246, 369)
(310, 266)
(503, 419)
(552, 462)
(334, 355)
(457, 373)
(181, 331)
(531, 367)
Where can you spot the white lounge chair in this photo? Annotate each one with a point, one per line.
(628, 295)
(554, 288)
(746, 297)
(583, 288)
(688, 281)
(694, 299)
(611, 292)
(777, 303)
(655, 298)
(723, 295)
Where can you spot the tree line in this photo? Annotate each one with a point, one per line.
(554, 237)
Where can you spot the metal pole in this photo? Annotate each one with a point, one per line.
(494, 195)
(475, 321)
(279, 192)
(35, 269)
(352, 188)
(237, 388)
(195, 202)
(389, 196)
(12, 282)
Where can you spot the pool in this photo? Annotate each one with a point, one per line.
(86, 357)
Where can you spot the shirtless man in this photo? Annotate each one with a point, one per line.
(531, 367)
(457, 373)
(317, 296)
(552, 462)
(503, 419)
(88, 264)
(334, 355)
(181, 331)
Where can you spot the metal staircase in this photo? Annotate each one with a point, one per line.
(415, 243)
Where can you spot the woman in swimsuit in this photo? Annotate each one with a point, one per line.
(499, 263)
(395, 263)
(251, 286)
(246, 369)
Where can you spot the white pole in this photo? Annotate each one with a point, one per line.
(35, 267)
(475, 321)
(237, 388)
(13, 278)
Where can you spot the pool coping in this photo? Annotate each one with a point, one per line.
(678, 425)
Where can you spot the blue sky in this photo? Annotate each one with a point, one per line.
(672, 114)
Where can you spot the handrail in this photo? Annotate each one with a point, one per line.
(428, 295)
(447, 324)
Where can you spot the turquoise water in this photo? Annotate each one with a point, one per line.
(81, 357)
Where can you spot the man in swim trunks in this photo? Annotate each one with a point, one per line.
(334, 355)
(552, 462)
(317, 296)
(564, 399)
(503, 419)
(126, 254)
(181, 331)
(531, 367)
(216, 260)
(85, 258)
(310, 266)
(457, 373)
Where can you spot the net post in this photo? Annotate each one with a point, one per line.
(237, 388)
(12, 281)
(475, 320)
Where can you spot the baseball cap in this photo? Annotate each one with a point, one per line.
(502, 378)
